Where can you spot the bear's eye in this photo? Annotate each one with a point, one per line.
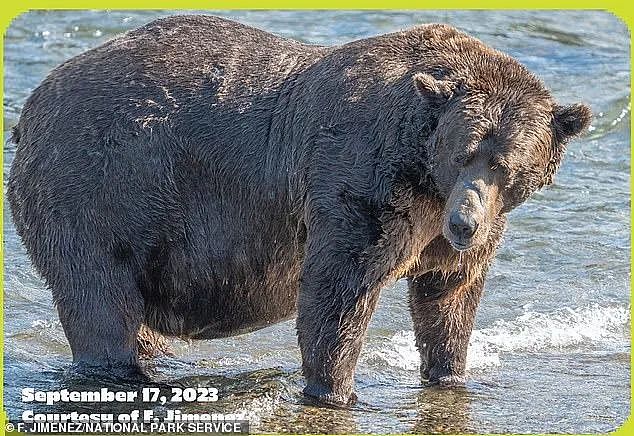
(461, 158)
(502, 172)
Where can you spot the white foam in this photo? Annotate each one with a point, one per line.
(45, 324)
(605, 327)
(399, 352)
(253, 410)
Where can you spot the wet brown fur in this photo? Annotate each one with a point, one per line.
(206, 179)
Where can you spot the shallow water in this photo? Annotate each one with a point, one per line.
(551, 349)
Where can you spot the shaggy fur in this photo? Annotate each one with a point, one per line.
(207, 179)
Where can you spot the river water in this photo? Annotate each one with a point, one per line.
(551, 347)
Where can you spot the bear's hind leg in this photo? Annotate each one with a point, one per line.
(101, 310)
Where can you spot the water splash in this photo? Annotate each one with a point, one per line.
(584, 328)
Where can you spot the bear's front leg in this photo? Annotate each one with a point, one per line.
(443, 308)
(339, 292)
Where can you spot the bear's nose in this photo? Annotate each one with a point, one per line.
(461, 225)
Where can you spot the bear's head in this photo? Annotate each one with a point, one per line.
(499, 136)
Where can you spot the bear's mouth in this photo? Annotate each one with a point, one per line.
(458, 246)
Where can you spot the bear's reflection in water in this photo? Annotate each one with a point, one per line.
(310, 419)
(271, 400)
(439, 411)
(442, 410)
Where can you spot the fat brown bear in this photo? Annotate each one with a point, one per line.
(205, 179)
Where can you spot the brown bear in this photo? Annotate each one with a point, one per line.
(207, 179)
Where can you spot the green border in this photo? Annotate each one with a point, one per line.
(9, 12)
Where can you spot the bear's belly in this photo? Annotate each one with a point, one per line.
(230, 328)
(231, 298)
(206, 315)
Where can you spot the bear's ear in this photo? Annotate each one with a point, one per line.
(570, 121)
(432, 89)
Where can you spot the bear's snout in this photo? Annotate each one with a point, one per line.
(464, 219)
(463, 226)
